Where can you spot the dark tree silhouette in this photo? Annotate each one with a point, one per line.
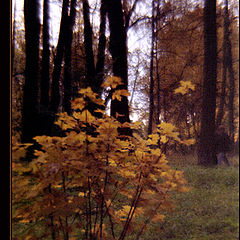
(55, 95)
(151, 94)
(206, 149)
(30, 97)
(118, 50)
(45, 117)
(101, 49)
(45, 79)
(67, 80)
(88, 44)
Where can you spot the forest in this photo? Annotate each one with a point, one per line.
(116, 106)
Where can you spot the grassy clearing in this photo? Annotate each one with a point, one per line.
(210, 211)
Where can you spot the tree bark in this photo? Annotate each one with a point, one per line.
(224, 74)
(151, 94)
(158, 96)
(127, 17)
(231, 76)
(206, 148)
(158, 16)
(13, 40)
(30, 97)
(67, 80)
(101, 49)
(55, 96)
(118, 50)
(45, 79)
(88, 44)
(45, 117)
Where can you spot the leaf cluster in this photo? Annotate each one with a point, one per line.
(95, 182)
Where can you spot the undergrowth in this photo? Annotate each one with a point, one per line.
(210, 211)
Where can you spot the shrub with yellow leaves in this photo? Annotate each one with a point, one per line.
(94, 182)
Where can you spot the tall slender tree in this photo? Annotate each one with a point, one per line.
(45, 78)
(88, 45)
(206, 148)
(158, 111)
(45, 116)
(55, 91)
(13, 40)
(67, 80)
(151, 94)
(229, 63)
(101, 49)
(224, 73)
(30, 98)
(118, 50)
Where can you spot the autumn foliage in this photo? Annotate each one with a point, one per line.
(92, 181)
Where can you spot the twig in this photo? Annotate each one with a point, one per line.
(90, 209)
(132, 209)
(152, 215)
(51, 217)
(66, 237)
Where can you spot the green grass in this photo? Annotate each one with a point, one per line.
(210, 211)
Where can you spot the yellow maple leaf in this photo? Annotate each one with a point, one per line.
(156, 152)
(78, 103)
(163, 139)
(123, 212)
(84, 116)
(184, 88)
(65, 121)
(112, 81)
(153, 139)
(119, 93)
(169, 130)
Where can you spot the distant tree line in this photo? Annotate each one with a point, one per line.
(189, 42)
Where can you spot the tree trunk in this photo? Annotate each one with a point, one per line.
(231, 76)
(13, 40)
(158, 93)
(30, 97)
(118, 50)
(44, 97)
(88, 44)
(158, 16)
(91, 75)
(101, 49)
(224, 76)
(128, 15)
(55, 96)
(45, 117)
(164, 105)
(231, 94)
(151, 95)
(206, 148)
(67, 80)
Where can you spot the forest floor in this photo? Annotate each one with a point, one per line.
(209, 211)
